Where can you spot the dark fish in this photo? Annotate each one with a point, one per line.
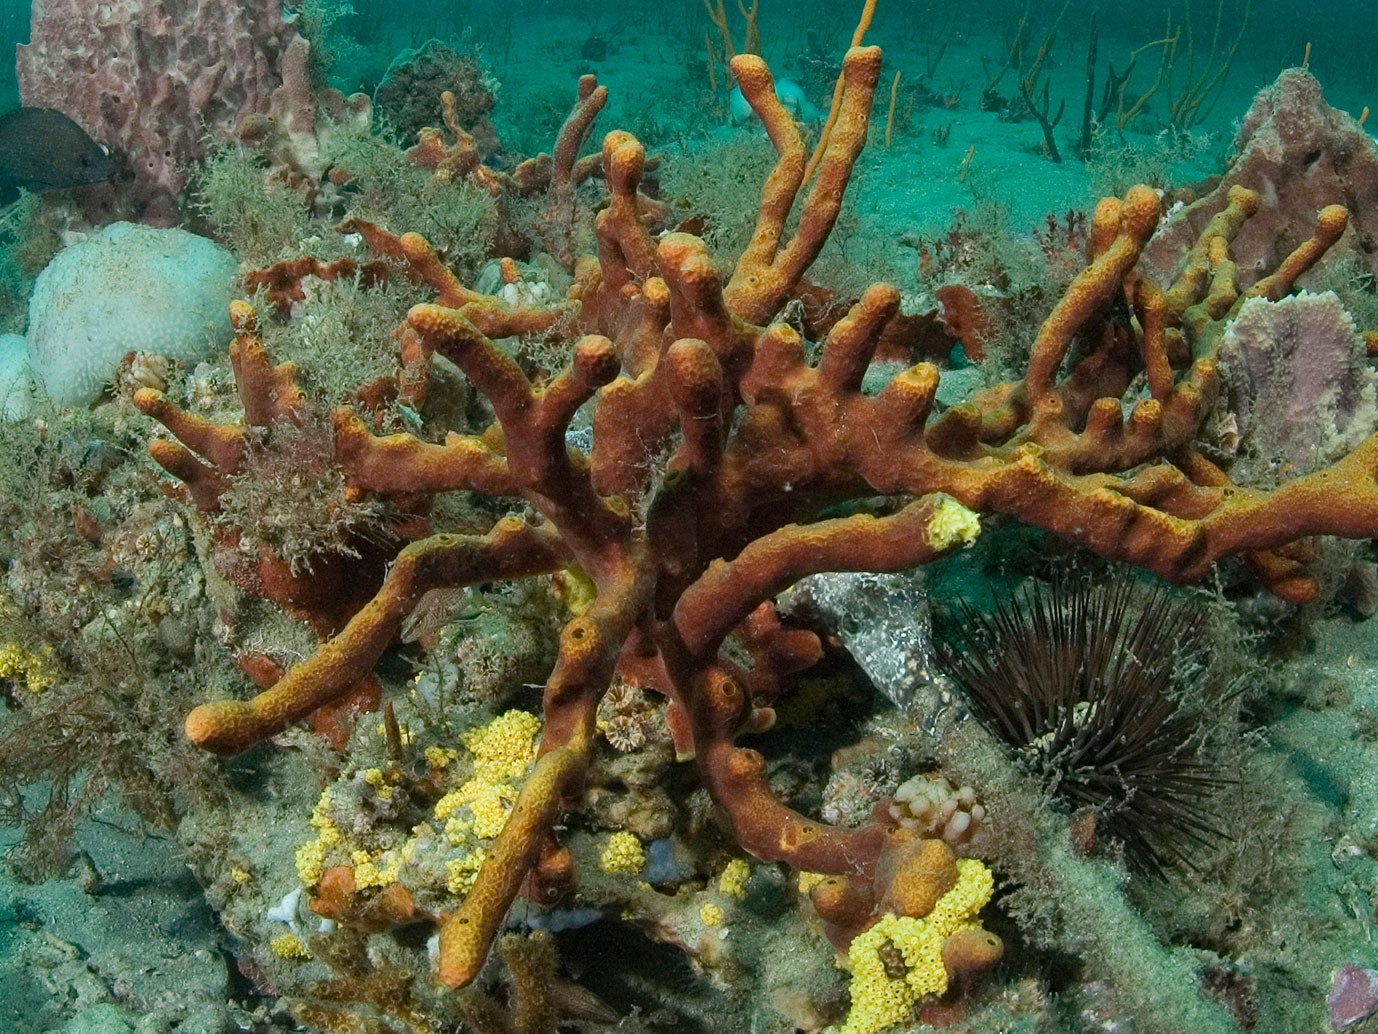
(42, 149)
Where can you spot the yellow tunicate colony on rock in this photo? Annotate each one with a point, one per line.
(734, 876)
(880, 1000)
(623, 853)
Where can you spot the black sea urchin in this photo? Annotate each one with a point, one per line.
(1083, 681)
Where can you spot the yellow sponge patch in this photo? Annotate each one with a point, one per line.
(289, 946)
(952, 524)
(734, 876)
(623, 853)
(899, 960)
(504, 747)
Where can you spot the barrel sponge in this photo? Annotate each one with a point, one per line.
(127, 288)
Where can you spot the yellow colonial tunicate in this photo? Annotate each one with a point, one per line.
(310, 857)
(710, 914)
(808, 880)
(501, 753)
(879, 1000)
(37, 669)
(404, 734)
(579, 590)
(375, 778)
(623, 853)
(289, 946)
(734, 876)
(440, 757)
(310, 861)
(952, 524)
(241, 876)
(382, 871)
(490, 804)
(504, 747)
(462, 871)
(448, 805)
(487, 807)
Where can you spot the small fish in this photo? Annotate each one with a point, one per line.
(436, 609)
(42, 149)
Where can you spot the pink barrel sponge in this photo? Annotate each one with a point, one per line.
(153, 79)
(1353, 997)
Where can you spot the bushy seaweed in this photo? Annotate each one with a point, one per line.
(458, 218)
(290, 497)
(1116, 163)
(26, 245)
(342, 336)
(723, 186)
(318, 21)
(101, 621)
(1351, 278)
(258, 220)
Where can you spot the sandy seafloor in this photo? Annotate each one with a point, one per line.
(129, 923)
(914, 186)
